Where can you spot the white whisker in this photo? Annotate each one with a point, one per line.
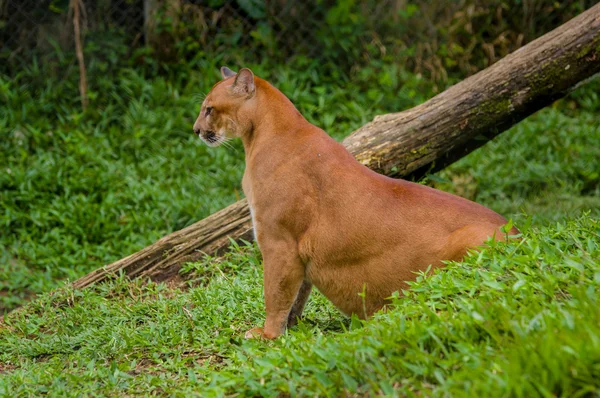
(225, 142)
(199, 97)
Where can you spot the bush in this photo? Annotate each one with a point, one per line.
(438, 39)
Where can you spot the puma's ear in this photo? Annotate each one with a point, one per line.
(244, 83)
(226, 72)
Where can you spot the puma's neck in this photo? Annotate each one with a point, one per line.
(275, 115)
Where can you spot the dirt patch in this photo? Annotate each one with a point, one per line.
(144, 366)
(176, 282)
(6, 368)
(202, 358)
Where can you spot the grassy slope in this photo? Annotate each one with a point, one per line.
(520, 319)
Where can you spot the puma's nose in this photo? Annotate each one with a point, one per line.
(196, 127)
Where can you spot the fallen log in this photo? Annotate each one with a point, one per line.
(411, 143)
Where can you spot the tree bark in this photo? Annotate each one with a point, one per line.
(76, 5)
(423, 139)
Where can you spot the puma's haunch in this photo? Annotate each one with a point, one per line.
(323, 219)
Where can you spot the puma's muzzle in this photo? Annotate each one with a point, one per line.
(209, 137)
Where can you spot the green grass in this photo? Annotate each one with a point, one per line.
(82, 189)
(518, 319)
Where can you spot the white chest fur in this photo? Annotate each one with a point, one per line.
(253, 219)
(247, 187)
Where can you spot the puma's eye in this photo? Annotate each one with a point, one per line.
(209, 110)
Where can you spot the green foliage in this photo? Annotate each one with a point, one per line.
(517, 319)
(546, 166)
(441, 40)
(80, 190)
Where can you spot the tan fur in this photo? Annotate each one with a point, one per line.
(323, 219)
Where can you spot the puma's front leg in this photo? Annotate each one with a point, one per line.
(283, 276)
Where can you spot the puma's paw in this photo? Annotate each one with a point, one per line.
(259, 333)
(255, 333)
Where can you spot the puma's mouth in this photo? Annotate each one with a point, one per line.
(211, 137)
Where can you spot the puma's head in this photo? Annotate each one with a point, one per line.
(227, 109)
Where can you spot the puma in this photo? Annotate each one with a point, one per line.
(321, 218)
